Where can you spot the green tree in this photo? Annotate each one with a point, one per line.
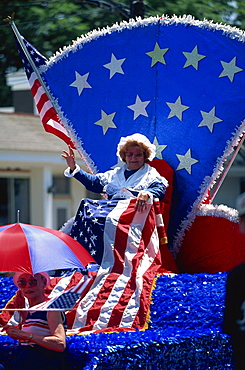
(214, 10)
(49, 25)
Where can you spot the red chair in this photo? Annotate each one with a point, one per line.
(164, 169)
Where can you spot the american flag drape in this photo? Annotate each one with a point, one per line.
(120, 295)
(49, 117)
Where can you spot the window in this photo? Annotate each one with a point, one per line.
(14, 197)
(61, 186)
(61, 217)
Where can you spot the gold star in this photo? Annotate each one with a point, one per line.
(106, 121)
(157, 55)
(193, 58)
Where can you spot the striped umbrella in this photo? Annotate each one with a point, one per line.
(33, 249)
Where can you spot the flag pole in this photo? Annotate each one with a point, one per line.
(227, 168)
(10, 20)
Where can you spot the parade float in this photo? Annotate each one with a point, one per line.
(180, 82)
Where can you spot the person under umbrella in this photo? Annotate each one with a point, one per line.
(41, 334)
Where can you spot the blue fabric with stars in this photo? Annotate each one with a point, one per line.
(89, 223)
(180, 82)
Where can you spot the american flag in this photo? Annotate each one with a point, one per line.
(89, 224)
(49, 117)
(129, 245)
(179, 81)
(65, 299)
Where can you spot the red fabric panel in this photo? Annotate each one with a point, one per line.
(168, 262)
(212, 244)
(166, 171)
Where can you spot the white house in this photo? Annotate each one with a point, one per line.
(31, 174)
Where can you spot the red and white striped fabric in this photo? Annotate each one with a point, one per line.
(47, 113)
(120, 296)
(76, 292)
(49, 117)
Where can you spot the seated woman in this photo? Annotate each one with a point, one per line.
(134, 179)
(121, 234)
(41, 334)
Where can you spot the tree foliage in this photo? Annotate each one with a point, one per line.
(49, 25)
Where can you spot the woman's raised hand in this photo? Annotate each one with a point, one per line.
(70, 158)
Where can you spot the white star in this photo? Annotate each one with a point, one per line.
(95, 220)
(157, 55)
(193, 58)
(81, 82)
(81, 233)
(94, 237)
(106, 121)
(75, 223)
(159, 148)
(230, 69)
(93, 252)
(139, 107)
(85, 240)
(186, 161)
(115, 65)
(177, 109)
(209, 119)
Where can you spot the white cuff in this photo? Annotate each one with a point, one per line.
(67, 171)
